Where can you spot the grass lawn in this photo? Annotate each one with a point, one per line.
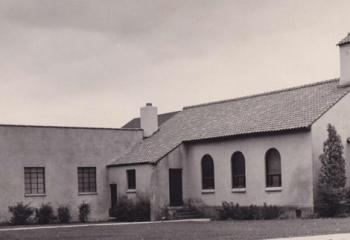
(190, 230)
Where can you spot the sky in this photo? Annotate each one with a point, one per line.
(94, 63)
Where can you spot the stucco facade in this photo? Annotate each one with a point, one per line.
(301, 122)
(165, 164)
(296, 169)
(60, 151)
(296, 162)
(144, 174)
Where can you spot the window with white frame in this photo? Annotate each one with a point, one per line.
(273, 168)
(238, 170)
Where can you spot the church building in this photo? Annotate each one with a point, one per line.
(257, 149)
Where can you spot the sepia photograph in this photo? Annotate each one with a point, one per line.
(174, 119)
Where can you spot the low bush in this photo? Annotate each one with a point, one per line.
(128, 210)
(63, 214)
(230, 210)
(45, 214)
(271, 211)
(84, 212)
(21, 213)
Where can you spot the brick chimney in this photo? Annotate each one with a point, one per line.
(344, 47)
(149, 119)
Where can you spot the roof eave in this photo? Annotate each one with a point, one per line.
(262, 133)
(128, 164)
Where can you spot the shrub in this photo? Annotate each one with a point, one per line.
(63, 214)
(229, 210)
(142, 210)
(332, 178)
(84, 211)
(20, 213)
(270, 211)
(200, 209)
(45, 214)
(127, 210)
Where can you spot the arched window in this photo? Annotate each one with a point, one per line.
(238, 170)
(207, 172)
(273, 168)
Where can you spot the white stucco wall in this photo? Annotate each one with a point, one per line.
(117, 175)
(344, 64)
(338, 116)
(152, 180)
(61, 151)
(160, 178)
(296, 163)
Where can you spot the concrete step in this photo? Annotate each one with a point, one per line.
(188, 216)
(183, 213)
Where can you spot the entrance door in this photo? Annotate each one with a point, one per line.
(175, 186)
(114, 195)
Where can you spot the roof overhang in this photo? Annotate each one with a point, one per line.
(253, 134)
(218, 138)
(128, 164)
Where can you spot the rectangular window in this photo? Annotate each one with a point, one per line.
(87, 179)
(34, 180)
(131, 176)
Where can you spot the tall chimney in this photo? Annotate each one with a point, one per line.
(149, 119)
(344, 47)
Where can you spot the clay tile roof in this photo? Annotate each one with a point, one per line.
(162, 118)
(346, 40)
(283, 110)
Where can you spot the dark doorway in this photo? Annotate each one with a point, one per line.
(175, 186)
(114, 195)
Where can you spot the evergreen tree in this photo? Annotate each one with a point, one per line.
(331, 179)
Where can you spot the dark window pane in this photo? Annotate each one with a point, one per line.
(207, 172)
(273, 168)
(131, 177)
(238, 164)
(238, 170)
(238, 182)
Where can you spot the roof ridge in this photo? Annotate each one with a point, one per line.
(159, 114)
(263, 94)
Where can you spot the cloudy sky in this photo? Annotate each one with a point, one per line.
(95, 62)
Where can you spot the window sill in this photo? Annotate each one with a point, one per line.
(273, 189)
(238, 190)
(35, 195)
(208, 191)
(87, 193)
(131, 191)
